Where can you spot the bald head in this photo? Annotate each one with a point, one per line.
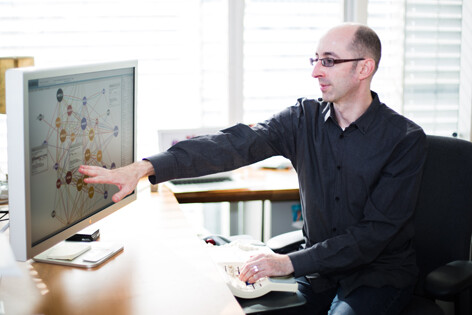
(360, 39)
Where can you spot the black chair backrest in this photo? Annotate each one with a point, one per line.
(443, 216)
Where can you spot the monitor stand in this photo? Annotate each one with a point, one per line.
(79, 254)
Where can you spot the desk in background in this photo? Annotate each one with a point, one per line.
(262, 184)
(164, 269)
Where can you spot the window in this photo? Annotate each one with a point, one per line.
(279, 38)
(212, 62)
(422, 60)
(387, 19)
(164, 35)
(432, 64)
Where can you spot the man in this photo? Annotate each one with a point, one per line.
(359, 165)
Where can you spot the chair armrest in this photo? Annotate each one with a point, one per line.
(447, 281)
(287, 242)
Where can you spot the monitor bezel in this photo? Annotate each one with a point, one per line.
(19, 154)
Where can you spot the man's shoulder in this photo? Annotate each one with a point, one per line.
(398, 121)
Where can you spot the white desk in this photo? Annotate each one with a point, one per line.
(164, 269)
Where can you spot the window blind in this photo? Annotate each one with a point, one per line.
(386, 17)
(182, 48)
(432, 64)
(214, 62)
(465, 105)
(420, 71)
(279, 38)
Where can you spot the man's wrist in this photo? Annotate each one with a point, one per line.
(144, 168)
(288, 264)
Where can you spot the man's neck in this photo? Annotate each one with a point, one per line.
(348, 112)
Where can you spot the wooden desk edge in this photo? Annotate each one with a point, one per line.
(238, 195)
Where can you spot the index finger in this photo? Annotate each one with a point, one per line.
(90, 170)
(96, 175)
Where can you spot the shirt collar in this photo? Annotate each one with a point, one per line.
(368, 117)
(363, 122)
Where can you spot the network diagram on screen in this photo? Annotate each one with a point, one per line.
(75, 120)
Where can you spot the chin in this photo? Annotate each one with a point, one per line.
(326, 98)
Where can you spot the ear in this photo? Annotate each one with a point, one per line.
(367, 68)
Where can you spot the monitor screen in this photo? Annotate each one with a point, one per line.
(58, 119)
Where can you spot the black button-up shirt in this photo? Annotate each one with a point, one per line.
(358, 186)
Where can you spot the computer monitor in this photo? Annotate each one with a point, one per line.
(57, 119)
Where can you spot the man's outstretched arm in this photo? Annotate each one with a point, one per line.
(126, 178)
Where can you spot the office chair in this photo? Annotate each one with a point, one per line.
(443, 223)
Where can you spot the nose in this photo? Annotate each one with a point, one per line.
(318, 70)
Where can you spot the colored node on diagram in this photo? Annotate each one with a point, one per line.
(91, 134)
(91, 192)
(87, 155)
(63, 135)
(80, 184)
(59, 95)
(68, 177)
(83, 123)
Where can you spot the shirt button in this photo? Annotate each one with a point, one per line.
(341, 136)
(336, 198)
(334, 230)
(338, 167)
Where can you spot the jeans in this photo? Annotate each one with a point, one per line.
(362, 301)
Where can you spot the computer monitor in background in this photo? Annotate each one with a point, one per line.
(57, 119)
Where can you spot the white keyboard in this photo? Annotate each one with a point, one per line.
(260, 287)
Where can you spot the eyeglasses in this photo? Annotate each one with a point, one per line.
(329, 62)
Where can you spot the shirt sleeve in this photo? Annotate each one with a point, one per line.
(226, 150)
